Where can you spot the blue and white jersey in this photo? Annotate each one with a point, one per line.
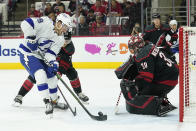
(43, 30)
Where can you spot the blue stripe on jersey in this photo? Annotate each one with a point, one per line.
(30, 21)
(42, 87)
(53, 90)
(24, 48)
(51, 52)
(45, 42)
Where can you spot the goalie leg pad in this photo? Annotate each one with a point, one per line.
(147, 105)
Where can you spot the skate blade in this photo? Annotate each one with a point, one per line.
(16, 104)
(57, 107)
(86, 103)
(49, 116)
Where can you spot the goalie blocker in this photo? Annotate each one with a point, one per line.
(144, 83)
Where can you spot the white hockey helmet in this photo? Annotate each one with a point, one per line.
(65, 19)
(173, 22)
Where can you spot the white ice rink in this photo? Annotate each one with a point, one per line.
(102, 87)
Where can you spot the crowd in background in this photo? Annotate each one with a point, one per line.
(91, 19)
(10, 3)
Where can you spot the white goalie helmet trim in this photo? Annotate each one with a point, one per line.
(65, 19)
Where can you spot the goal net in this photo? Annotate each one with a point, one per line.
(187, 74)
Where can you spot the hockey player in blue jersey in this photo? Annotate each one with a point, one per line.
(41, 35)
(64, 58)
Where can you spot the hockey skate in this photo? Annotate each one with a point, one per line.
(167, 102)
(49, 107)
(164, 109)
(59, 105)
(83, 98)
(18, 101)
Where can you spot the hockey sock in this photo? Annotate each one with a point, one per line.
(26, 87)
(76, 85)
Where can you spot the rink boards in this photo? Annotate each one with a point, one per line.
(90, 52)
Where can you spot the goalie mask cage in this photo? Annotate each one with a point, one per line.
(187, 74)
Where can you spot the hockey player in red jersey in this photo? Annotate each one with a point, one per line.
(147, 78)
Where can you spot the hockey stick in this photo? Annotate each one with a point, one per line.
(73, 112)
(100, 116)
(117, 103)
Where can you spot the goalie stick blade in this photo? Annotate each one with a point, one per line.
(99, 118)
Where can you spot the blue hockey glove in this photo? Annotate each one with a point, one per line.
(175, 48)
(54, 66)
(32, 44)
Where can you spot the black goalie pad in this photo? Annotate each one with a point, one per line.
(128, 89)
(127, 70)
(147, 105)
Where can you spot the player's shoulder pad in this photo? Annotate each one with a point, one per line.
(147, 51)
(149, 28)
(166, 27)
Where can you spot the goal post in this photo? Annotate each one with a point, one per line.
(187, 74)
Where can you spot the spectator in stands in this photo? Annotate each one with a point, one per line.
(48, 9)
(193, 24)
(90, 18)
(42, 7)
(11, 5)
(128, 9)
(124, 28)
(55, 6)
(104, 3)
(82, 11)
(124, 4)
(61, 9)
(33, 12)
(153, 32)
(136, 29)
(83, 27)
(98, 27)
(86, 5)
(72, 6)
(115, 9)
(52, 16)
(137, 16)
(77, 15)
(98, 8)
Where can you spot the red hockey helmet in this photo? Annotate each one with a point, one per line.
(136, 42)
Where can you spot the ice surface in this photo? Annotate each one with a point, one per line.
(102, 87)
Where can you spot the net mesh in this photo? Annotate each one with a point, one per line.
(187, 52)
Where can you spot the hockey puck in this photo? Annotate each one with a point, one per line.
(100, 113)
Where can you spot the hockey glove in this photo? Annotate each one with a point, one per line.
(128, 84)
(175, 48)
(128, 89)
(54, 67)
(32, 44)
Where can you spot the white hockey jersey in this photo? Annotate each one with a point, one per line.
(43, 30)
